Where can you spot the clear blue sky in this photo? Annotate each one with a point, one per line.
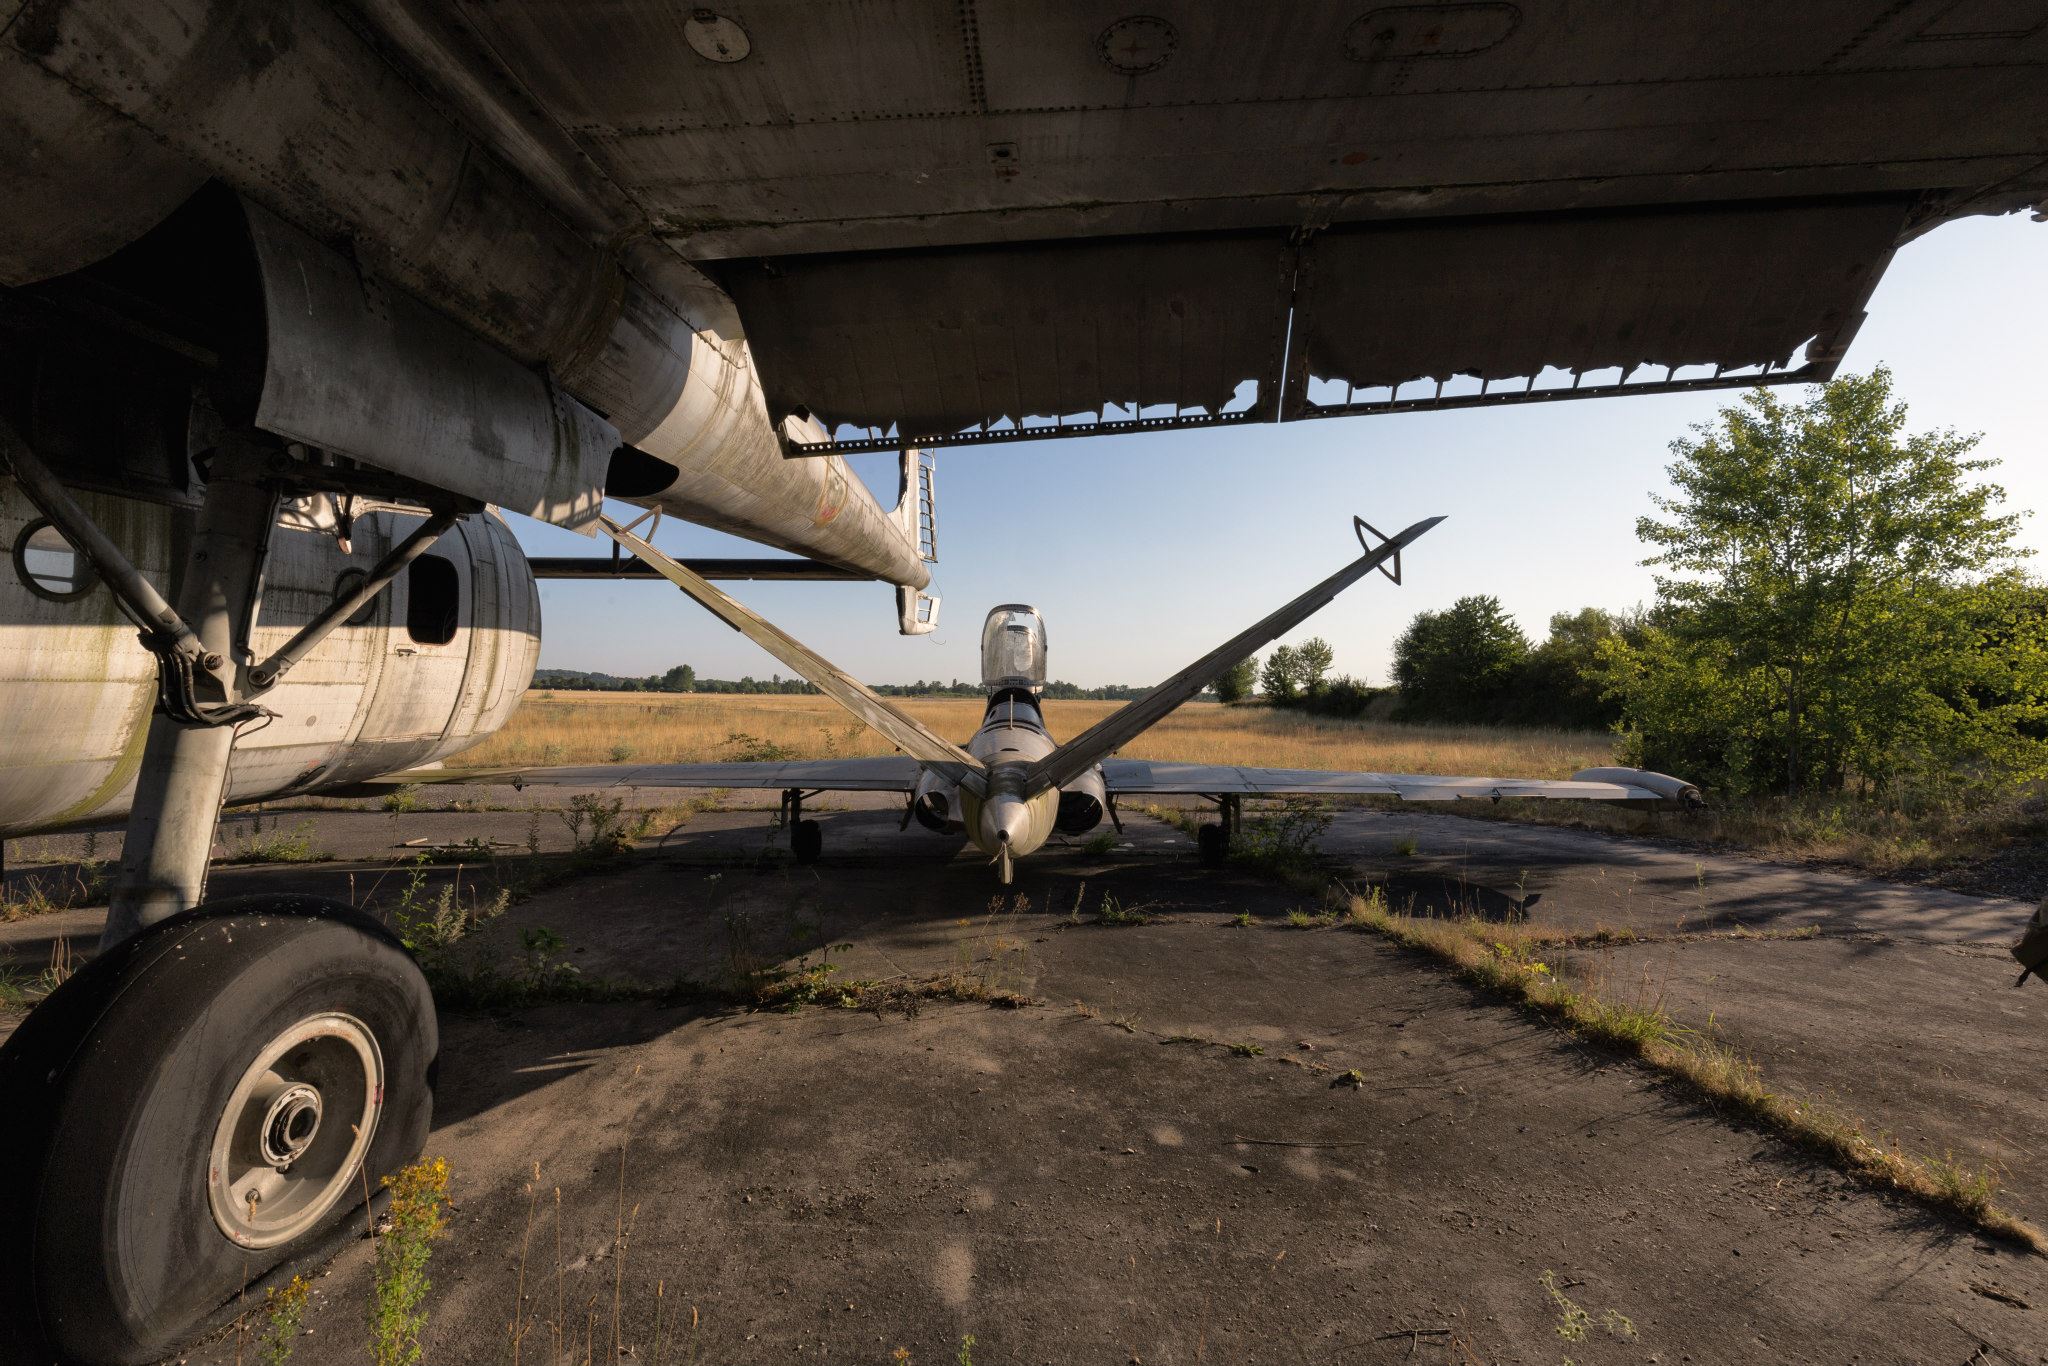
(1146, 551)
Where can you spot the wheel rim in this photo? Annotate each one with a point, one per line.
(295, 1130)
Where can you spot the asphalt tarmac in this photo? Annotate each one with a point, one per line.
(1149, 1162)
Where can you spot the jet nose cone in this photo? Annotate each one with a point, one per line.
(1004, 820)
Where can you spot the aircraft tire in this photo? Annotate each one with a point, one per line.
(807, 841)
(147, 1096)
(1212, 843)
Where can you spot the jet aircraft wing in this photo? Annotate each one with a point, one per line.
(1142, 777)
(1120, 727)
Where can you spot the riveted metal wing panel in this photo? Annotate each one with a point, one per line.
(1726, 286)
(937, 342)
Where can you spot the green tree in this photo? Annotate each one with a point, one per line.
(1280, 680)
(1313, 658)
(682, 678)
(1237, 682)
(1459, 664)
(1562, 682)
(1824, 604)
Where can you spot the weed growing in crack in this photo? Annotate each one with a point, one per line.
(399, 1284)
(280, 846)
(40, 895)
(284, 1310)
(1574, 1323)
(1114, 912)
(19, 991)
(600, 831)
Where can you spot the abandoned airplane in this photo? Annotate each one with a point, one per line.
(1013, 787)
(297, 298)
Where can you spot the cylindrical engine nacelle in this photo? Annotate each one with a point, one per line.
(435, 664)
(1082, 803)
(936, 805)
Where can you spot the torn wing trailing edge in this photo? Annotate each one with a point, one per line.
(1635, 787)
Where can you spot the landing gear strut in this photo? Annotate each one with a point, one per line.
(806, 840)
(1212, 841)
(209, 1100)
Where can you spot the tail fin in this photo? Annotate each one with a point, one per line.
(1119, 728)
(917, 513)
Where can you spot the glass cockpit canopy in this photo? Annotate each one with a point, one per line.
(1013, 648)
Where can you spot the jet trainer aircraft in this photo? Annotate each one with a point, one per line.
(294, 294)
(1013, 787)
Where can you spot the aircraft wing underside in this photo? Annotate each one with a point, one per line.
(885, 773)
(958, 221)
(1142, 777)
(1122, 777)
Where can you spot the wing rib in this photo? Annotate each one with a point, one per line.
(1075, 757)
(900, 729)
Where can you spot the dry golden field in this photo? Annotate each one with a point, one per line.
(596, 728)
(1971, 850)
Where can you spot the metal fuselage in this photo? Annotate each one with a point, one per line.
(1013, 736)
(395, 688)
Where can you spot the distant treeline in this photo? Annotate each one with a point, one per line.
(683, 679)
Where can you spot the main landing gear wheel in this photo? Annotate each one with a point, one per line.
(194, 1109)
(1212, 842)
(806, 841)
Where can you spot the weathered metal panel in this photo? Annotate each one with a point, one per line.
(939, 341)
(1733, 285)
(288, 102)
(884, 124)
(357, 366)
(932, 343)
(76, 687)
(64, 209)
(730, 474)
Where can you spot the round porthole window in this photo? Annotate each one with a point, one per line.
(50, 566)
(347, 583)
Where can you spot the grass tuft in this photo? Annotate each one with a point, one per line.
(1116, 913)
(38, 894)
(279, 846)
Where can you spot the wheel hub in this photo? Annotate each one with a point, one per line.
(293, 1134)
(291, 1125)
